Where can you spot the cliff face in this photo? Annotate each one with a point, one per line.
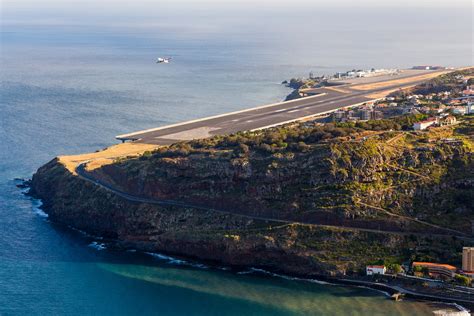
(352, 183)
(394, 193)
(221, 238)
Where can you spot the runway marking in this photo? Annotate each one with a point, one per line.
(249, 121)
(337, 89)
(281, 110)
(236, 120)
(293, 111)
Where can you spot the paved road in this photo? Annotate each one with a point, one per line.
(270, 115)
(464, 300)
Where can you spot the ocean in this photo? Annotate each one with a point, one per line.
(73, 77)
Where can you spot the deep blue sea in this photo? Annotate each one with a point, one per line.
(73, 77)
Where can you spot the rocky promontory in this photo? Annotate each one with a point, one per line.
(298, 199)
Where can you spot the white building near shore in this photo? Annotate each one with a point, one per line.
(371, 270)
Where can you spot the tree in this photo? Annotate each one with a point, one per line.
(425, 271)
(463, 280)
(396, 268)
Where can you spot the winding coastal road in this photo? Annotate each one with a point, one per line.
(83, 174)
(327, 99)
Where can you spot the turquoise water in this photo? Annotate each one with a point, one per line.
(73, 77)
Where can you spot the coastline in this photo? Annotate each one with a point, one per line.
(107, 204)
(100, 243)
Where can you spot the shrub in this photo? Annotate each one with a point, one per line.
(463, 280)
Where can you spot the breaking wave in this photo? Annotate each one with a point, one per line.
(176, 261)
(97, 245)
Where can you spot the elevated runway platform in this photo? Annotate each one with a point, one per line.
(352, 92)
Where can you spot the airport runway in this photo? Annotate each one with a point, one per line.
(328, 100)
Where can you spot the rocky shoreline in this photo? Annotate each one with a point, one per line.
(72, 201)
(101, 243)
(304, 200)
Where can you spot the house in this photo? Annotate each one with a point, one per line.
(468, 91)
(340, 115)
(422, 125)
(460, 110)
(423, 109)
(437, 269)
(427, 67)
(448, 120)
(375, 269)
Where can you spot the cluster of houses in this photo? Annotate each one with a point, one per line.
(365, 73)
(441, 102)
(441, 107)
(428, 67)
(364, 113)
(441, 120)
(435, 270)
(355, 73)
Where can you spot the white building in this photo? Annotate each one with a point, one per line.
(460, 110)
(419, 126)
(371, 270)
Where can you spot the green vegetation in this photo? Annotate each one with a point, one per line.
(372, 176)
(446, 82)
(463, 280)
(404, 122)
(345, 170)
(289, 138)
(395, 268)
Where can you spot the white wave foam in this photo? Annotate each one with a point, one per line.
(286, 277)
(166, 258)
(245, 272)
(376, 290)
(223, 268)
(97, 245)
(37, 208)
(25, 190)
(172, 260)
(81, 231)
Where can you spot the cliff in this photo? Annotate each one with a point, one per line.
(299, 199)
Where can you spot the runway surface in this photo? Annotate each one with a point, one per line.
(350, 93)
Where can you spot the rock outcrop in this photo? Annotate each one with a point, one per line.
(322, 208)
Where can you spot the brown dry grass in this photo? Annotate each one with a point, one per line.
(337, 89)
(378, 85)
(384, 93)
(106, 156)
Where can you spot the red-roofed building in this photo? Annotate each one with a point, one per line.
(437, 269)
(468, 91)
(419, 126)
